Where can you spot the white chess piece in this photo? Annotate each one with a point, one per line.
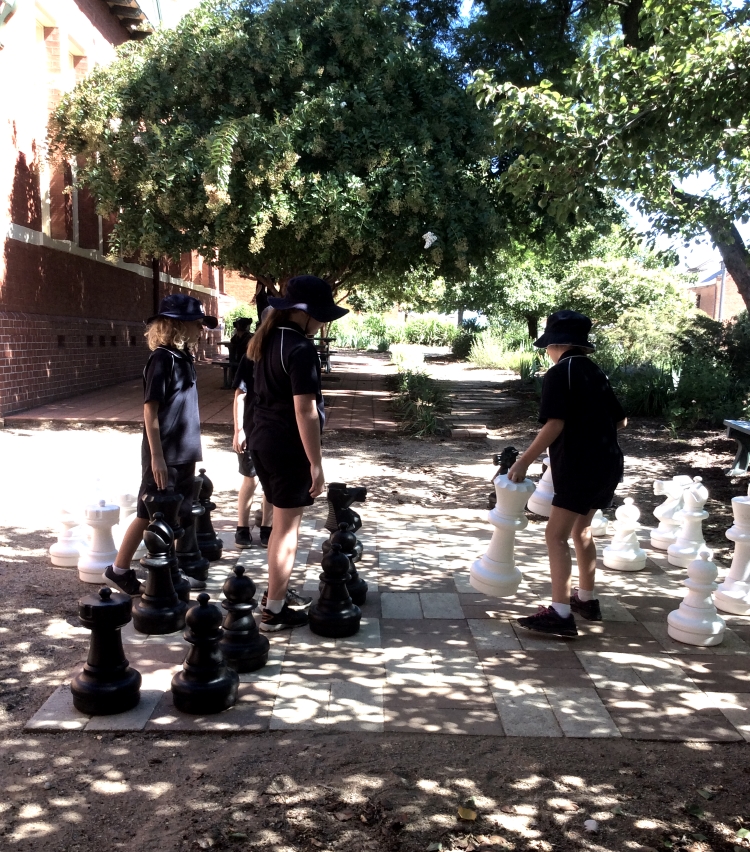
(128, 506)
(495, 572)
(673, 489)
(67, 550)
(102, 552)
(689, 539)
(696, 621)
(624, 553)
(540, 502)
(733, 595)
(599, 524)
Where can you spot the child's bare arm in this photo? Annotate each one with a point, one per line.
(546, 435)
(622, 424)
(240, 438)
(308, 423)
(151, 422)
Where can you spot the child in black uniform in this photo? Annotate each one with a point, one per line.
(288, 419)
(581, 417)
(171, 421)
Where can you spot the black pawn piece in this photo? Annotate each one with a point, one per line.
(244, 649)
(505, 461)
(168, 502)
(334, 614)
(205, 684)
(348, 542)
(107, 684)
(340, 498)
(209, 543)
(158, 610)
(189, 557)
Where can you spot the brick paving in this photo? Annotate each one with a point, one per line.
(435, 656)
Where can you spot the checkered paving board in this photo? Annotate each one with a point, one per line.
(434, 656)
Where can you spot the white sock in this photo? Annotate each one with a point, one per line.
(274, 606)
(563, 610)
(585, 596)
(120, 571)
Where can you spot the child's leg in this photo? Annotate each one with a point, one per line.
(244, 500)
(267, 511)
(583, 542)
(282, 548)
(558, 531)
(130, 542)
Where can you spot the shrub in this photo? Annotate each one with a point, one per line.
(462, 344)
(241, 309)
(420, 404)
(645, 390)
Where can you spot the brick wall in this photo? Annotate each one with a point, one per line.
(707, 298)
(243, 289)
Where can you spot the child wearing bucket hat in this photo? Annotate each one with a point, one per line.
(581, 417)
(171, 422)
(288, 418)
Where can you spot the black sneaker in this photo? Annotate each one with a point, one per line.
(292, 600)
(589, 610)
(271, 621)
(547, 620)
(242, 537)
(127, 582)
(265, 534)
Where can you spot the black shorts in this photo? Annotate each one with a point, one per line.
(181, 478)
(247, 468)
(582, 504)
(285, 477)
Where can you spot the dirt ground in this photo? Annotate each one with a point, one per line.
(308, 791)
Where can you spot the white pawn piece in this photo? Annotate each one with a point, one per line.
(674, 490)
(102, 552)
(689, 539)
(495, 573)
(696, 621)
(624, 553)
(733, 595)
(540, 502)
(67, 550)
(599, 524)
(128, 506)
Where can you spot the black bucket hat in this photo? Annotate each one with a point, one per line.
(566, 328)
(185, 308)
(312, 295)
(242, 322)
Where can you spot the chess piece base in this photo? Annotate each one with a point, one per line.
(92, 570)
(734, 598)
(158, 621)
(211, 549)
(697, 630)
(661, 541)
(242, 658)
(623, 562)
(64, 558)
(539, 506)
(95, 698)
(206, 697)
(500, 580)
(682, 556)
(337, 624)
(357, 591)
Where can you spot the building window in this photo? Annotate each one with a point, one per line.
(102, 340)
(90, 340)
(60, 341)
(132, 340)
(698, 301)
(113, 340)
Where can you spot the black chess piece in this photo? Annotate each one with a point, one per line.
(168, 502)
(158, 610)
(334, 614)
(355, 585)
(107, 684)
(209, 544)
(242, 644)
(189, 557)
(505, 461)
(340, 498)
(206, 684)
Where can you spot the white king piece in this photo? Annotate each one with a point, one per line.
(495, 573)
(733, 595)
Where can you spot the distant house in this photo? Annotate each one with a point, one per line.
(716, 293)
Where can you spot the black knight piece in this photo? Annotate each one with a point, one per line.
(334, 614)
(158, 610)
(209, 543)
(351, 547)
(168, 502)
(242, 644)
(107, 684)
(205, 684)
(189, 557)
(505, 461)
(340, 498)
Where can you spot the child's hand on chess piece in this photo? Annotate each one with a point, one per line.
(517, 472)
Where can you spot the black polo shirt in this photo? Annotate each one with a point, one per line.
(289, 367)
(244, 381)
(585, 457)
(169, 379)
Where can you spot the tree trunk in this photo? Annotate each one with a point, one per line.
(735, 256)
(460, 320)
(532, 323)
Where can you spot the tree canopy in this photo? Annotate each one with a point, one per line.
(322, 136)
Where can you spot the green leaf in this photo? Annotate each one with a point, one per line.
(695, 810)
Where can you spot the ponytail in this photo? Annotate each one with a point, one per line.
(270, 321)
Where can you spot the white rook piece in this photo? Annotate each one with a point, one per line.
(674, 490)
(689, 539)
(733, 595)
(102, 551)
(696, 621)
(540, 502)
(599, 524)
(66, 551)
(495, 573)
(624, 553)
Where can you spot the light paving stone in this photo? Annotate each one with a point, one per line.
(303, 637)
(658, 630)
(493, 634)
(130, 636)
(731, 644)
(302, 706)
(368, 635)
(400, 605)
(463, 586)
(175, 638)
(440, 605)
(613, 610)
(526, 714)
(356, 707)
(133, 720)
(390, 561)
(58, 713)
(607, 673)
(581, 713)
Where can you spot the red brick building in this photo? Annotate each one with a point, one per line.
(71, 319)
(717, 295)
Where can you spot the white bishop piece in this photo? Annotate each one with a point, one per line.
(624, 553)
(67, 550)
(733, 595)
(128, 506)
(495, 573)
(540, 502)
(599, 524)
(674, 490)
(689, 539)
(696, 621)
(102, 551)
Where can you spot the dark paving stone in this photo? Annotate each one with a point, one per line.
(649, 608)
(371, 607)
(527, 672)
(718, 674)
(433, 697)
(252, 712)
(540, 659)
(478, 721)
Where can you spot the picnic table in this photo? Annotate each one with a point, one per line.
(740, 431)
(226, 365)
(324, 353)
